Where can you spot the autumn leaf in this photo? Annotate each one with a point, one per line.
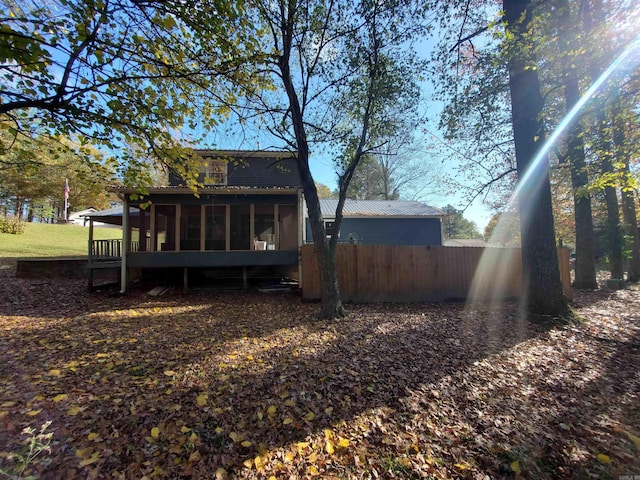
(515, 466)
(604, 458)
(287, 421)
(201, 399)
(93, 436)
(343, 442)
(92, 459)
(60, 397)
(155, 432)
(246, 443)
(272, 410)
(169, 373)
(309, 416)
(329, 447)
(74, 410)
(33, 413)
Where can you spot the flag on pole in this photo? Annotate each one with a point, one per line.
(66, 189)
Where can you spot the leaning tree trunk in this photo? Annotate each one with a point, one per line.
(542, 288)
(331, 302)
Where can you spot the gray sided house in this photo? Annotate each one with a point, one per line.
(383, 222)
(246, 218)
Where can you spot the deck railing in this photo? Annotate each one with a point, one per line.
(111, 250)
(105, 250)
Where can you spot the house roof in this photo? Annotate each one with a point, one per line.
(379, 208)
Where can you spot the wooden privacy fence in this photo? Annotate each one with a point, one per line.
(388, 273)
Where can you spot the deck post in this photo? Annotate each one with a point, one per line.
(90, 256)
(185, 279)
(126, 239)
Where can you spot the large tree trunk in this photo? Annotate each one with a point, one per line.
(541, 273)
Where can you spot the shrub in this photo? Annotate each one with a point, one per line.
(11, 225)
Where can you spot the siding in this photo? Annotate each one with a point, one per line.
(389, 231)
(257, 172)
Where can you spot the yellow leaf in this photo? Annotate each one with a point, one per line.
(92, 436)
(287, 421)
(185, 429)
(92, 459)
(515, 466)
(155, 432)
(235, 437)
(248, 463)
(301, 446)
(219, 430)
(246, 443)
(329, 447)
(633, 438)
(313, 457)
(201, 399)
(313, 470)
(74, 410)
(221, 474)
(604, 458)
(309, 416)
(55, 372)
(343, 442)
(259, 462)
(84, 452)
(8, 404)
(60, 397)
(272, 410)
(328, 410)
(328, 433)
(33, 413)
(169, 373)
(289, 456)
(249, 357)
(195, 457)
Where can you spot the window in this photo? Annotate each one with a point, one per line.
(329, 227)
(215, 172)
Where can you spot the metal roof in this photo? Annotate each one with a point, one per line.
(379, 208)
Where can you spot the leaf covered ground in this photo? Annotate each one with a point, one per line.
(241, 385)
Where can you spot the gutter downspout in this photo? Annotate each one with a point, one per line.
(125, 242)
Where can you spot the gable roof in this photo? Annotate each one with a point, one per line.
(379, 208)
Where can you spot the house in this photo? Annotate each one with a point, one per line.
(246, 220)
(383, 222)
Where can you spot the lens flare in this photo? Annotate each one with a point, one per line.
(493, 279)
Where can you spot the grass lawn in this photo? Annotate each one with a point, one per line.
(45, 240)
(250, 386)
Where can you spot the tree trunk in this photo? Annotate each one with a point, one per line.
(542, 288)
(614, 233)
(585, 269)
(628, 201)
(331, 302)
